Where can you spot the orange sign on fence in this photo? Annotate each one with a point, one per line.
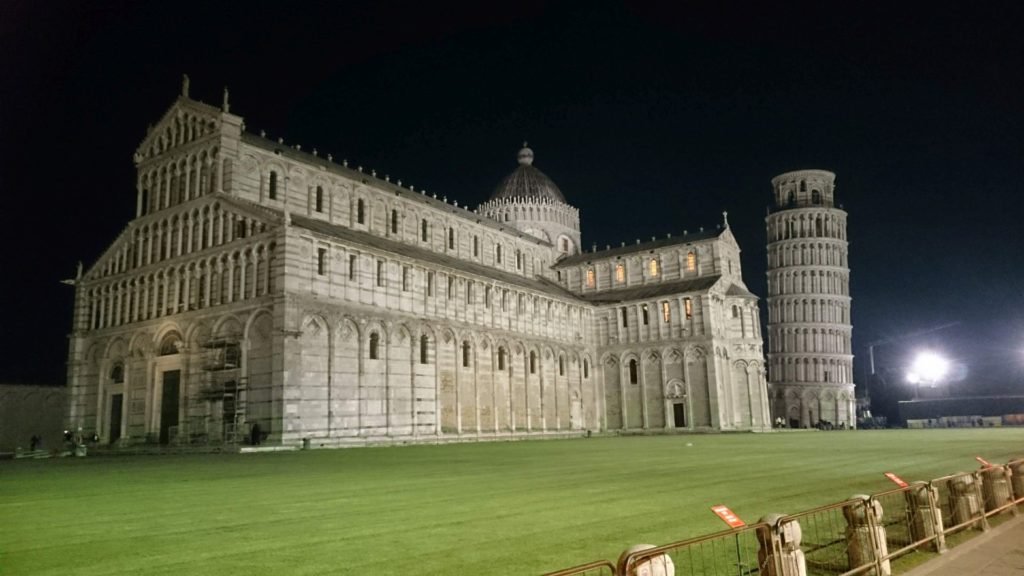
(984, 462)
(728, 516)
(896, 479)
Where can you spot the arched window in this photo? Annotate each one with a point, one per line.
(272, 186)
(465, 354)
(735, 311)
(117, 374)
(688, 306)
(666, 312)
(632, 372)
(451, 238)
(519, 260)
(654, 267)
(497, 253)
(620, 273)
(789, 198)
(803, 186)
(360, 211)
(625, 318)
(424, 230)
(691, 261)
(561, 366)
(815, 197)
(501, 358)
(424, 343)
(586, 368)
(394, 221)
(533, 362)
(590, 278)
(644, 314)
(374, 346)
(319, 199)
(476, 246)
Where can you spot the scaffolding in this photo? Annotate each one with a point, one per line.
(224, 392)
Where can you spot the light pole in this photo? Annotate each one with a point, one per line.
(928, 368)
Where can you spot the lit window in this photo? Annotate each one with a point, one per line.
(319, 199)
(620, 273)
(688, 305)
(321, 261)
(272, 187)
(633, 372)
(691, 262)
(590, 278)
(654, 267)
(666, 311)
(374, 346)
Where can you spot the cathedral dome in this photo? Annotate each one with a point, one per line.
(527, 182)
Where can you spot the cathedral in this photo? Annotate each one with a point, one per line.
(268, 294)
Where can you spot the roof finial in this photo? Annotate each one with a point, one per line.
(184, 85)
(525, 156)
(226, 106)
(725, 219)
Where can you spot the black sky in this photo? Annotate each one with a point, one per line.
(652, 118)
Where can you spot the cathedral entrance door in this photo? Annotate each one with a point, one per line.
(116, 402)
(169, 404)
(575, 412)
(679, 414)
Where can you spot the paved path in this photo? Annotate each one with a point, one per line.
(1000, 552)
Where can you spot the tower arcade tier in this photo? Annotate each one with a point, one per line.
(810, 356)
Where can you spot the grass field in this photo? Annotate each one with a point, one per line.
(495, 508)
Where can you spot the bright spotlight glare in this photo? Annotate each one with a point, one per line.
(930, 367)
(913, 378)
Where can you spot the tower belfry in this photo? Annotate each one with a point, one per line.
(810, 357)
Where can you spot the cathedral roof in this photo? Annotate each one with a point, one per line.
(527, 182)
(654, 290)
(641, 247)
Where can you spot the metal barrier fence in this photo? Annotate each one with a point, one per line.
(861, 535)
(732, 552)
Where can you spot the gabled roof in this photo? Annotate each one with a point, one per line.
(180, 104)
(654, 290)
(358, 238)
(636, 248)
(737, 290)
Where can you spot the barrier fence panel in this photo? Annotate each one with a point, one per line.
(730, 553)
(905, 519)
(960, 502)
(599, 568)
(822, 535)
(1017, 480)
(996, 492)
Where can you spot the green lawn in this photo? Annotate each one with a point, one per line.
(492, 508)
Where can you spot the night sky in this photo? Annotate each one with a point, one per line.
(652, 118)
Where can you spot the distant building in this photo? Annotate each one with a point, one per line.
(264, 285)
(810, 356)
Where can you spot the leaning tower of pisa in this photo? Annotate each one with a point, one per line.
(810, 359)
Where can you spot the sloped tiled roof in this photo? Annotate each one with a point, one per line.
(367, 240)
(654, 290)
